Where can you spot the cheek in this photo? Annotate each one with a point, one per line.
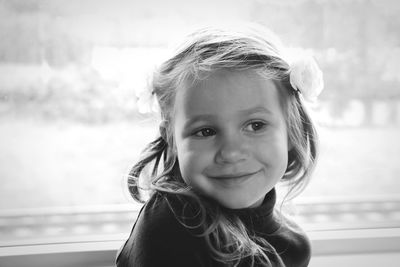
(192, 160)
(274, 151)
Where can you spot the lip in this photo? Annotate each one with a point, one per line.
(233, 179)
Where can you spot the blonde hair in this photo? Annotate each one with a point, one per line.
(204, 52)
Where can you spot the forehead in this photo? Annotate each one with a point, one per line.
(228, 93)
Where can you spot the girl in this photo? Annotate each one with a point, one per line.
(233, 125)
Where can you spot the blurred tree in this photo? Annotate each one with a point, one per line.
(357, 42)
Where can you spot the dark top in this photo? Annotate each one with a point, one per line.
(159, 239)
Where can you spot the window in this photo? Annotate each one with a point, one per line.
(70, 128)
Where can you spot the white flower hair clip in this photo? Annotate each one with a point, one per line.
(306, 77)
(147, 102)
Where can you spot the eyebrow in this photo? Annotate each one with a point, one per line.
(210, 117)
(259, 109)
(196, 118)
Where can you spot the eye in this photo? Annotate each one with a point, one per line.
(205, 132)
(255, 126)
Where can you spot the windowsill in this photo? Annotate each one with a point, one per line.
(346, 245)
(358, 241)
(364, 247)
(339, 230)
(85, 254)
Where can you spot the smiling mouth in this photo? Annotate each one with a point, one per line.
(233, 179)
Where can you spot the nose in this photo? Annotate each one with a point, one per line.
(231, 150)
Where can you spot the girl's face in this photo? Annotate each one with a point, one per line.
(231, 137)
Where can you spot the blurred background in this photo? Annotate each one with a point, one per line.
(70, 72)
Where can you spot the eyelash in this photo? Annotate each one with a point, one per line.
(202, 130)
(261, 127)
(207, 131)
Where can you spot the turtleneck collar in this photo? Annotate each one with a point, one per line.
(261, 216)
(257, 219)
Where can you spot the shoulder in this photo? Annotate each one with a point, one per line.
(297, 244)
(159, 239)
(157, 223)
